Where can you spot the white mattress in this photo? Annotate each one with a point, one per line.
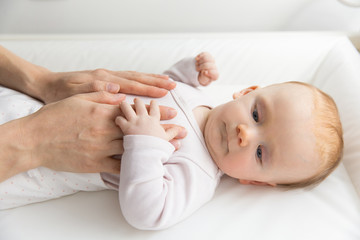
(328, 211)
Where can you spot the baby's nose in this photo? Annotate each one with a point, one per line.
(243, 134)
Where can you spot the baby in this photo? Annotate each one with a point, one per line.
(285, 134)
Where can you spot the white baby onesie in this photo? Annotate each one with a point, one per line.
(157, 186)
(39, 184)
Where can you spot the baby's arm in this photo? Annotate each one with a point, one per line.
(197, 71)
(157, 189)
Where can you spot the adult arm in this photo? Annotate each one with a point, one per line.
(36, 81)
(76, 134)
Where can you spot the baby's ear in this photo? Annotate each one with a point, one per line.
(244, 91)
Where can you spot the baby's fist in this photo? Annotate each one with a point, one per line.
(205, 65)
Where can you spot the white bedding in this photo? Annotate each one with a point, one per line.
(329, 211)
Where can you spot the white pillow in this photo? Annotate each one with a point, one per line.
(339, 76)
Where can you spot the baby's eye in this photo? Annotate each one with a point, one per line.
(259, 153)
(255, 115)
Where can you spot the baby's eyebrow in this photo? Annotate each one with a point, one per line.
(264, 105)
(265, 112)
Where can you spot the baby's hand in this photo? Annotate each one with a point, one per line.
(205, 65)
(142, 122)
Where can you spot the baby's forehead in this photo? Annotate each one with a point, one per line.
(296, 155)
(290, 121)
(288, 101)
(290, 89)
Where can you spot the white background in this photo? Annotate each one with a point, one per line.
(133, 16)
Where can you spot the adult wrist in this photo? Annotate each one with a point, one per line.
(37, 82)
(18, 74)
(15, 149)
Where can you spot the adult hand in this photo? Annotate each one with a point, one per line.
(89, 142)
(36, 81)
(57, 86)
(77, 134)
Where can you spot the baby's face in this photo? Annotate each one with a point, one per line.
(265, 135)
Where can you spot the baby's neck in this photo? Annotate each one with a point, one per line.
(201, 114)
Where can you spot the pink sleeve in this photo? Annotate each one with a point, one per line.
(157, 190)
(184, 71)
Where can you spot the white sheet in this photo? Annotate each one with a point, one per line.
(329, 211)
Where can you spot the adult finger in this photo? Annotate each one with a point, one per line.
(97, 86)
(167, 113)
(172, 132)
(180, 134)
(103, 97)
(138, 88)
(156, 80)
(176, 143)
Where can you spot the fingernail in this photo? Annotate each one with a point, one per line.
(112, 87)
(172, 84)
(171, 113)
(175, 143)
(120, 96)
(182, 133)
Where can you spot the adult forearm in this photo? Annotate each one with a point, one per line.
(21, 75)
(14, 157)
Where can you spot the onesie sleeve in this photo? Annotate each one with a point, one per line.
(184, 71)
(156, 189)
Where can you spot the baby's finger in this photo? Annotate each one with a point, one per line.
(127, 110)
(213, 74)
(154, 109)
(204, 80)
(206, 66)
(121, 122)
(140, 107)
(204, 57)
(165, 112)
